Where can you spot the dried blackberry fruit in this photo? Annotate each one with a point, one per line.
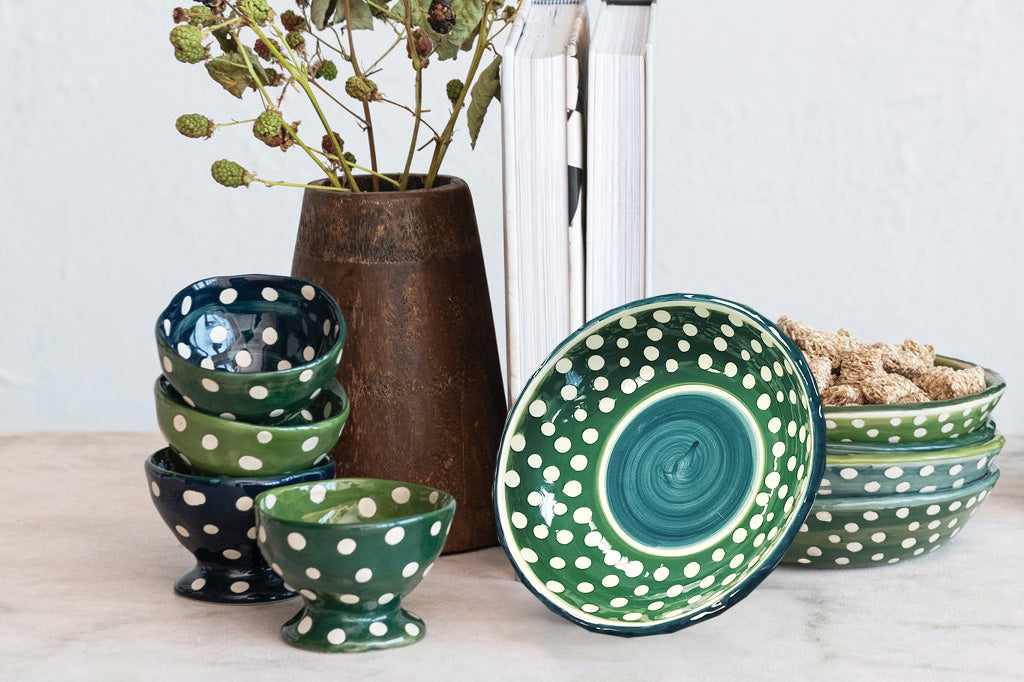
(441, 16)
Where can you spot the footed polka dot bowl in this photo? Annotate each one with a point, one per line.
(353, 548)
(223, 447)
(916, 422)
(214, 519)
(853, 532)
(250, 347)
(656, 467)
(886, 473)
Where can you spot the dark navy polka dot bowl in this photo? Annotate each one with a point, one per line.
(214, 519)
(251, 347)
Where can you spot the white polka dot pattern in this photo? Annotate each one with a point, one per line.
(859, 532)
(551, 457)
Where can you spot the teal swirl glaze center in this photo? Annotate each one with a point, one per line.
(685, 464)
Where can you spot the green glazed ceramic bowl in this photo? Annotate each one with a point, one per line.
(222, 447)
(911, 449)
(353, 548)
(928, 472)
(916, 422)
(657, 465)
(253, 347)
(213, 518)
(855, 532)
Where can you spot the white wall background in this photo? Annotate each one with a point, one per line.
(852, 164)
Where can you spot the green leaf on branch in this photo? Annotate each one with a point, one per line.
(231, 71)
(326, 13)
(468, 15)
(225, 40)
(487, 88)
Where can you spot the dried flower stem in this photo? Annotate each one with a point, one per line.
(417, 64)
(300, 77)
(303, 186)
(445, 139)
(269, 101)
(354, 61)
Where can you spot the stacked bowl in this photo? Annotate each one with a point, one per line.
(247, 401)
(900, 480)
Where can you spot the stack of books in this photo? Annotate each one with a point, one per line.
(576, 135)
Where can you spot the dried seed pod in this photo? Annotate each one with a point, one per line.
(441, 16)
(842, 395)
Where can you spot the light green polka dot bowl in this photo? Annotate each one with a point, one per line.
(854, 532)
(657, 465)
(920, 472)
(216, 446)
(252, 347)
(916, 422)
(353, 548)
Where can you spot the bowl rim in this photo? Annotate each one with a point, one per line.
(994, 444)
(852, 448)
(995, 385)
(164, 401)
(245, 377)
(259, 503)
(867, 502)
(235, 481)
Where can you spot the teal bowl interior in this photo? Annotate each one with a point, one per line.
(223, 447)
(251, 346)
(853, 532)
(916, 422)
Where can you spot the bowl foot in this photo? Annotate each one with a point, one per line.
(333, 630)
(213, 583)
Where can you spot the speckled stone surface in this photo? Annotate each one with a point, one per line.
(88, 568)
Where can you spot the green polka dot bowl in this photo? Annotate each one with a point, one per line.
(658, 464)
(854, 532)
(223, 447)
(251, 347)
(213, 518)
(916, 422)
(910, 449)
(353, 548)
(918, 472)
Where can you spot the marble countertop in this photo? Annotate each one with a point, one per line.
(88, 566)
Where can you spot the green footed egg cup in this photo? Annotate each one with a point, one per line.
(353, 548)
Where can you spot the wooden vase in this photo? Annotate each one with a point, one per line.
(420, 363)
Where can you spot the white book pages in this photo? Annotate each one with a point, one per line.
(543, 149)
(619, 156)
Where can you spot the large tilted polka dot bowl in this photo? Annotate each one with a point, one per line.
(223, 447)
(213, 518)
(353, 548)
(852, 532)
(658, 464)
(916, 422)
(882, 473)
(251, 347)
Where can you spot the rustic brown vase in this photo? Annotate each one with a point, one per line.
(420, 364)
